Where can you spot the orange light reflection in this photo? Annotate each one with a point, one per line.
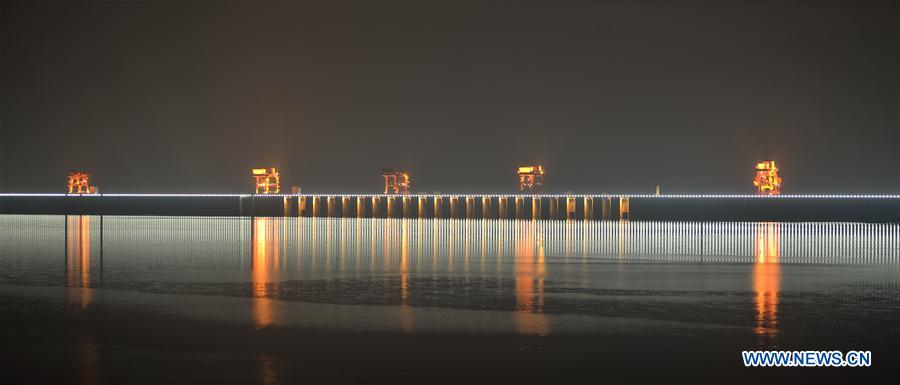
(78, 258)
(265, 263)
(766, 283)
(529, 268)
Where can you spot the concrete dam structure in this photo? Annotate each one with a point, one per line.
(731, 208)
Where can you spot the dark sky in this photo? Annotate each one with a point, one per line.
(618, 96)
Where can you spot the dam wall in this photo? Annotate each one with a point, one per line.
(730, 208)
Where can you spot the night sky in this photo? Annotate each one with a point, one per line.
(187, 96)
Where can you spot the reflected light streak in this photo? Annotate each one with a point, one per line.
(766, 283)
(267, 369)
(88, 353)
(265, 263)
(78, 278)
(78, 258)
(406, 316)
(529, 317)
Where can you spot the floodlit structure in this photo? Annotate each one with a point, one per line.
(767, 181)
(267, 180)
(79, 183)
(531, 178)
(396, 181)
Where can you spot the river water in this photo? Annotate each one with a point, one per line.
(649, 289)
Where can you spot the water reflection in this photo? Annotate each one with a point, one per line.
(265, 260)
(529, 272)
(78, 259)
(265, 257)
(527, 268)
(767, 283)
(80, 294)
(268, 369)
(87, 353)
(346, 245)
(406, 315)
(78, 251)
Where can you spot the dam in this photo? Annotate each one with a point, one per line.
(730, 208)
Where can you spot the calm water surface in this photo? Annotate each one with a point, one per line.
(782, 285)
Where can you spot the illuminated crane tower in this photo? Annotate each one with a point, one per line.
(767, 181)
(531, 178)
(396, 181)
(267, 181)
(79, 183)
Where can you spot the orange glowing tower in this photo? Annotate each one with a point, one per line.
(396, 181)
(267, 181)
(767, 181)
(79, 183)
(531, 178)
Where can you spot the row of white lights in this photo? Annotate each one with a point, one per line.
(833, 196)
